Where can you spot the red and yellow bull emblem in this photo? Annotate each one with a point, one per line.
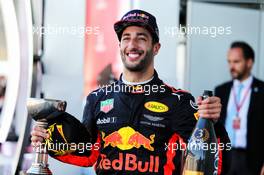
(156, 106)
(142, 15)
(127, 138)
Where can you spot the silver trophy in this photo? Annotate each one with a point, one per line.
(39, 110)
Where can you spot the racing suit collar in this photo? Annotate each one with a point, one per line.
(135, 83)
(142, 87)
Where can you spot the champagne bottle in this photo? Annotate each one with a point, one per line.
(201, 156)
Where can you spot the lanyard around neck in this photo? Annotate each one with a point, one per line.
(239, 105)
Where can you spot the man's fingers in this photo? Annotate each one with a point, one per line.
(208, 100)
(199, 100)
(36, 139)
(211, 100)
(36, 128)
(210, 106)
(209, 112)
(210, 116)
(39, 134)
(36, 143)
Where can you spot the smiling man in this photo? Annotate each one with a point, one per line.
(138, 126)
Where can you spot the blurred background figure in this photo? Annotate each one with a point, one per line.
(2, 91)
(106, 76)
(242, 112)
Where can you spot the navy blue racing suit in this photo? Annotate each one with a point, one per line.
(140, 129)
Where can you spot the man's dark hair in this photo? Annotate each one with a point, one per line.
(248, 52)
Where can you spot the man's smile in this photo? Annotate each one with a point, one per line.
(134, 55)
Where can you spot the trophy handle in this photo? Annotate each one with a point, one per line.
(40, 166)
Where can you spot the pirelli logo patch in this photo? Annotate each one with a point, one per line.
(156, 106)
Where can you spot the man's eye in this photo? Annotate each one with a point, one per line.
(125, 38)
(142, 39)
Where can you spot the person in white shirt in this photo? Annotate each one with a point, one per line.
(243, 111)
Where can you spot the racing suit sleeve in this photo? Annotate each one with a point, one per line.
(186, 112)
(89, 118)
(182, 125)
(82, 138)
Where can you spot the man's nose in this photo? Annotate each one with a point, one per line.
(132, 44)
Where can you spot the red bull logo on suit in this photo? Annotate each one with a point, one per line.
(127, 138)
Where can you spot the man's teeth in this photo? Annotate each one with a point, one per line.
(133, 55)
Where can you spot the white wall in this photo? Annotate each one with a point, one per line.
(206, 54)
(261, 47)
(63, 54)
(63, 61)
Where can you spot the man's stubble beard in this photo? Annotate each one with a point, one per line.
(142, 65)
(241, 75)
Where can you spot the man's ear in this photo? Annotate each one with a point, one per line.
(250, 63)
(156, 48)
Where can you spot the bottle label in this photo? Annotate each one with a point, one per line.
(188, 172)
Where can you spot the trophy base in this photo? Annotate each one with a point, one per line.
(38, 169)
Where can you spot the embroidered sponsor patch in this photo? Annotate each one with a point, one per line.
(156, 106)
(127, 138)
(153, 118)
(107, 105)
(106, 120)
